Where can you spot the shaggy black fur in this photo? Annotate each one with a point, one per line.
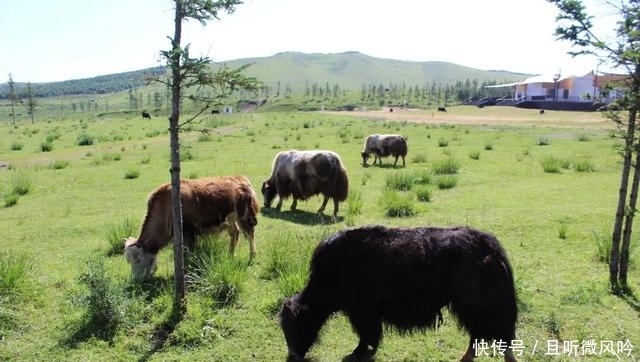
(403, 277)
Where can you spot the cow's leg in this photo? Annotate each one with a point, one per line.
(403, 164)
(396, 161)
(279, 204)
(252, 244)
(294, 204)
(324, 204)
(335, 207)
(369, 330)
(234, 233)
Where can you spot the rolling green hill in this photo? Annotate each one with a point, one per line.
(349, 70)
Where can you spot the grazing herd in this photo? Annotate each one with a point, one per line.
(375, 275)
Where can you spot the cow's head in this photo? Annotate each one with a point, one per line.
(296, 327)
(365, 157)
(268, 192)
(143, 263)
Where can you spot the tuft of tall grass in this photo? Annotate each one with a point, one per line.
(421, 177)
(17, 146)
(423, 193)
(398, 204)
(214, 272)
(20, 181)
(474, 155)
(118, 231)
(401, 181)
(15, 267)
(445, 182)
(584, 165)
(443, 142)
(551, 164)
(419, 158)
(447, 166)
(354, 202)
(603, 246)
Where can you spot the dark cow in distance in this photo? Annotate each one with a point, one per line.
(403, 278)
(146, 115)
(209, 205)
(384, 145)
(442, 109)
(302, 174)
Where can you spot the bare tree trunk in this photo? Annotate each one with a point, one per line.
(622, 202)
(180, 305)
(628, 228)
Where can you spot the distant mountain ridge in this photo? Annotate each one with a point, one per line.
(349, 70)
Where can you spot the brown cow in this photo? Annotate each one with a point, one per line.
(209, 205)
(302, 174)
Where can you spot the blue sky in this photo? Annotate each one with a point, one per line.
(45, 41)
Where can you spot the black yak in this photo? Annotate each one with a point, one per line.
(146, 115)
(403, 278)
(302, 174)
(209, 205)
(442, 109)
(383, 145)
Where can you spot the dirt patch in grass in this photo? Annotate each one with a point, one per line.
(489, 116)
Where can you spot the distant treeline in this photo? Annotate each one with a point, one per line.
(103, 84)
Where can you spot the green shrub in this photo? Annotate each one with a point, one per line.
(584, 138)
(448, 166)
(10, 199)
(474, 155)
(398, 204)
(46, 146)
(488, 146)
(102, 303)
(85, 139)
(543, 141)
(16, 146)
(443, 142)
(131, 174)
(59, 164)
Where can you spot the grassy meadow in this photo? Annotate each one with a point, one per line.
(545, 185)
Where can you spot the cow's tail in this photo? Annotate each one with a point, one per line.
(341, 184)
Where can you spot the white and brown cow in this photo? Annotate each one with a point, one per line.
(209, 205)
(302, 174)
(383, 145)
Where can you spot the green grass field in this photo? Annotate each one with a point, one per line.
(546, 187)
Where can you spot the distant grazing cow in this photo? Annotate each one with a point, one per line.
(442, 109)
(146, 115)
(542, 111)
(403, 278)
(383, 145)
(302, 174)
(215, 111)
(209, 205)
